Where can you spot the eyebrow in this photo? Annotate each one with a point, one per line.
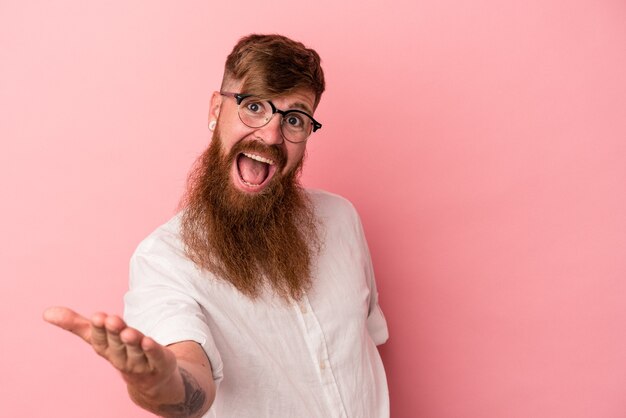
(301, 106)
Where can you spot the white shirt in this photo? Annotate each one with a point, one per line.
(314, 358)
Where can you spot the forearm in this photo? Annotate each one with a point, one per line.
(189, 392)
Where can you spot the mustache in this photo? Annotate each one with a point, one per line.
(274, 152)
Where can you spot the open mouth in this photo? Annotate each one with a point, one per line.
(254, 170)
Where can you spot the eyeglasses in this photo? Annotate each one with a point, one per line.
(295, 125)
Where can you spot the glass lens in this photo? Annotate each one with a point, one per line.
(255, 112)
(296, 126)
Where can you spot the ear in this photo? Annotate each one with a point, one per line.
(214, 108)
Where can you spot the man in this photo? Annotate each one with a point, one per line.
(258, 297)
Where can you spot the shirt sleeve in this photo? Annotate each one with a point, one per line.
(159, 303)
(376, 323)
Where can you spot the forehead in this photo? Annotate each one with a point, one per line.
(300, 99)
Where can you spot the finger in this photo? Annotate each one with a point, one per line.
(116, 348)
(137, 361)
(159, 358)
(68, 320)
(99, 339)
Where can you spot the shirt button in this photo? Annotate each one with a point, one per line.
(303, 308)
(322, 364)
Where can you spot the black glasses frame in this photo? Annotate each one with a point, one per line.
(239, 97)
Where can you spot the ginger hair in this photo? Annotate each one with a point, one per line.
(273, 65)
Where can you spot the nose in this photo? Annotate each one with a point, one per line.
(271, 133)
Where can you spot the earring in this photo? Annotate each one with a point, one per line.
(212, 125)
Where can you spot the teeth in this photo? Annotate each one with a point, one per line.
(249, 184)
(259, 158)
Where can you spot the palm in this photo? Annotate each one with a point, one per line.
(141, 360)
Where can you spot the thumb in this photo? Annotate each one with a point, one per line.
(69, 320)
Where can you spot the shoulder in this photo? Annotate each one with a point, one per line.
(331, 205)
(337, 214)
(160, 259)
(164, 241)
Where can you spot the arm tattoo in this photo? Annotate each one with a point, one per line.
(194, 399)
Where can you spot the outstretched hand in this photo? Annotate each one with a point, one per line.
(143, 362)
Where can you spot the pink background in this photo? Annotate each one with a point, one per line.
(483, 143)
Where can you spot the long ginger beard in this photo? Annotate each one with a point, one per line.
(250, 240)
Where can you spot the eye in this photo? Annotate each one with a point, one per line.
(295, 121)
(254, 107)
